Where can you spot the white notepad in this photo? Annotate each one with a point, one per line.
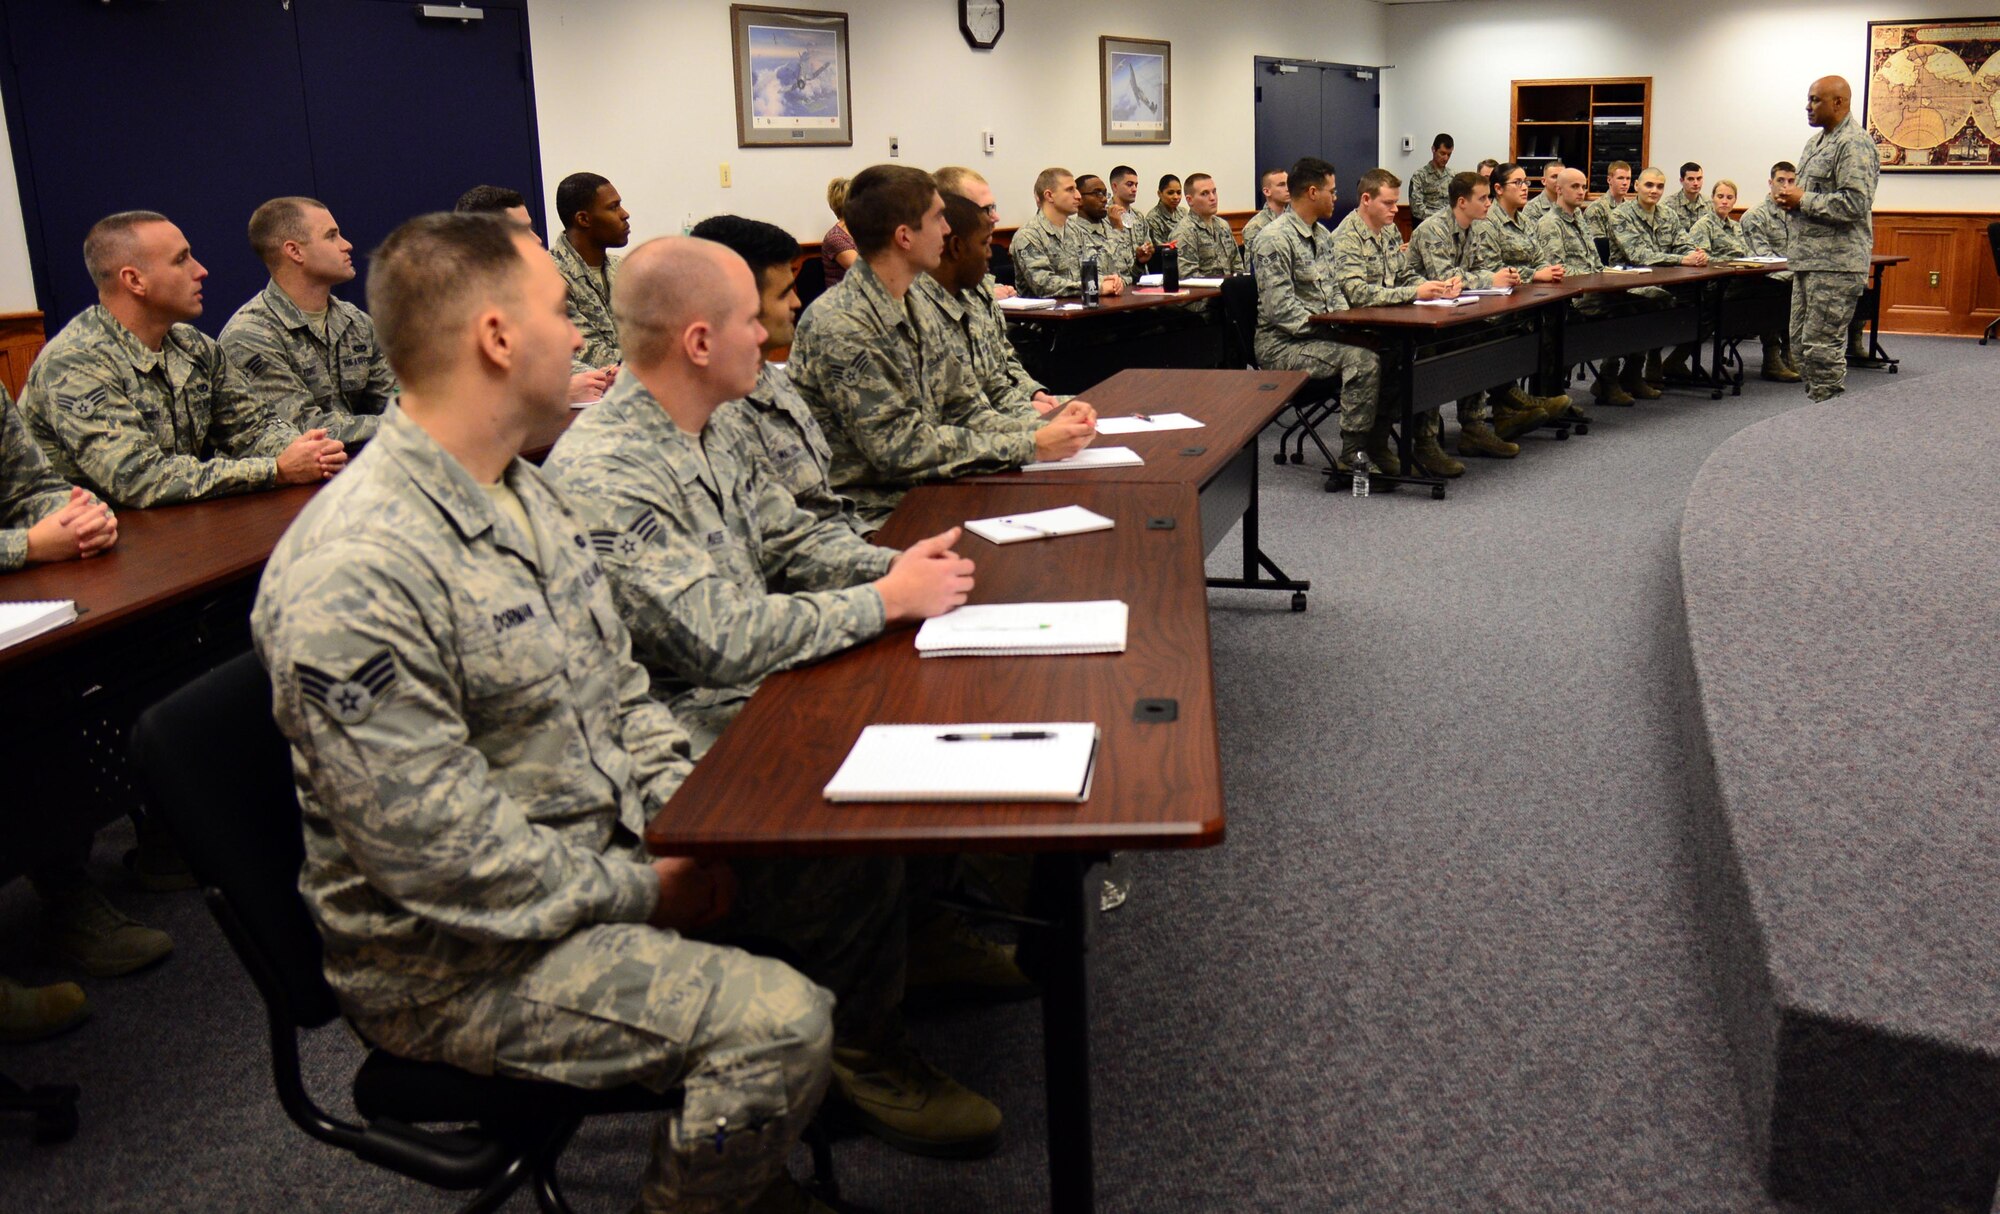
(1455, 302)
(1480, 291)
(1025, 303)
(1146, 424)
(1038, 525)
(988, 762)
(1628, 269)
(20, 621)
(1089, 457)
(1025, 630)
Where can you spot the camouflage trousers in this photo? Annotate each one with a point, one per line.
(745, 1037)
(1822, 309)
(1359, 372)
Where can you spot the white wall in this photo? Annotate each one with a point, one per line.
(642, 92)
(1729, 79)
(17, 282)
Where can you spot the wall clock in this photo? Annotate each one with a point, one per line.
(982, 22)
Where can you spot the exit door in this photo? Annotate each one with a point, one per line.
(1328, 110)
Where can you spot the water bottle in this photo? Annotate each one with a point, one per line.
(1170, 268)
(1359, 477)
(1089, 275)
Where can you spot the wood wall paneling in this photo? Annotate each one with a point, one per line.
(1951, 244)
(21, 338)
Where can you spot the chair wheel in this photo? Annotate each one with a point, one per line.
(1298, 600)
(1437, 493)
(1892, 368)
(1562, 435)
(1279, 459)
(1298, 457)
(1583, 427)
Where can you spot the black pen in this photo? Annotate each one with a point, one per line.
(1019, 735)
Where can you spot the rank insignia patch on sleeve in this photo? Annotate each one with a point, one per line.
(625, 544)
(349, 700)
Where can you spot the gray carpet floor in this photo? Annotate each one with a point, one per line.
(1450, 957)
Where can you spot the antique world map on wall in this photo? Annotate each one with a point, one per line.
(1932, 92)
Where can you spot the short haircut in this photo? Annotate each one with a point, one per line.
(1690, 167)
(1486, 166)
(964, 215)
(278, 221)
(762, 245)
(1165, 179)
(1194, 177)
(577, 192)
(1442, 141)
(1374, 181)
(1462, 185)
(1651, 171)
(109, 244)
(882, 198)
(836, 196)
(1079, 180)
(1724, 181)
(1553, 162)
(1501, 172)
(1046, 181)
(1614, 166)
(489, 200)
(664, 286)
(1307, 172)
(429, 278)
(1121, 172)
(1784, 166)
(951, 179)
(1264, 178)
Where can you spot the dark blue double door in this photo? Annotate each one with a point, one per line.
(202, 111)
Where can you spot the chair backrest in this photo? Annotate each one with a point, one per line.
(214, 767)
(812, 281)
(1993, 238)
(1239, 308)
(1603, 244)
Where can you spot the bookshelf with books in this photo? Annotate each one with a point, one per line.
(1585, 122)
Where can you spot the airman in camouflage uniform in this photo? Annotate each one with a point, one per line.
(590, 302)
(791, 449)
(1597, 212)
(139, 427)
(333, 378)
(1566, 241)
(1645, 232)
(1207, 247)
(30, 491)
(447, 660)
(975, 334)
(1831, 224)
(1682, 207)
(1294, 265)
(1545, 198)
(1048, 258)
(1117, 247)
(1767, 233)
(1507, 240)
(1165, 214)
(1430, 185)
(696, 539)
(1439, 248)
(896, 408)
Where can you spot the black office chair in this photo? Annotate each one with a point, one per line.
(1992, 238)
(236, 819)
(1315, 403)
(812, 281)
(1603, 244)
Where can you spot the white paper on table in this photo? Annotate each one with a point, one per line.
(1025, 303)
(1150, 422)
(1089, 457)
(1459, 302)
(1482, 291)
(1038, 525)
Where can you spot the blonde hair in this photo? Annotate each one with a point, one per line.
(1734, 192)
(836, 197)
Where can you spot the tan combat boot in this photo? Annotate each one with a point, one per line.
(1774, 365)
(1676, 366)
(1633, 380)
(1431, 457)
(1510, 420)
(1606, 387)
(1477, 438)
(29, 1013)
(87, 931)
(911, 1105)
(949, 960)
(1382, 452)
(1653, 374)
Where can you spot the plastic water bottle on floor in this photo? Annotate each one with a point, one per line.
(1117, 883)
(1359, 477)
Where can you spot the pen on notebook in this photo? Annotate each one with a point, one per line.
(1144, 417)
(1008, 522)
(1019, 735)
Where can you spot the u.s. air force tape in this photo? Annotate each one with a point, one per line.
(348, 700)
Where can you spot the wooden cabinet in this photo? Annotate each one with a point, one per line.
(1587, 123)
(1952, 245)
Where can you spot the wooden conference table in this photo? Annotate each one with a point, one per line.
(1220, 459)
(1070, 346)
(1158, 782)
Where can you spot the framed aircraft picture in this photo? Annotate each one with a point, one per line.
(791, 77)
(1136, 84)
